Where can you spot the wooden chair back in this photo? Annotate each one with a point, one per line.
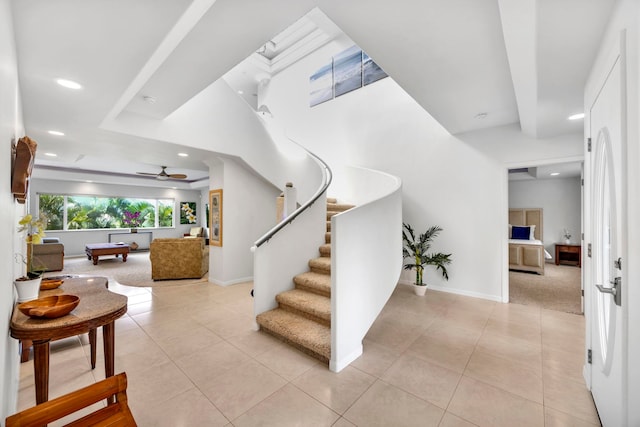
(116, 413)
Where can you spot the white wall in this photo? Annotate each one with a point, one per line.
(447, 180)
(248, 211)
(11, 128)
(560, 200)
(75, 241)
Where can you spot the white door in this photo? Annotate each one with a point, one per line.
(605, 227)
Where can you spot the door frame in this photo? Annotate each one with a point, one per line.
(505, 213)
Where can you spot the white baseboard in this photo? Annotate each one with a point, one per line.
(466, 293)
(231, 282)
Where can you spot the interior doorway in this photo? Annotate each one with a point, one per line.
(556, 189)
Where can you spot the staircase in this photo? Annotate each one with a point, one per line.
(303, 315)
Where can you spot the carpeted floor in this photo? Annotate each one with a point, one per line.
(135, 272)
(558, 289)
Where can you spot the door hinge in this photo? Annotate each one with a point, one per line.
(582, 292)
(589, 145)
(589, 357)
(618, 263)
(582, 182)
(589, 250)
(581, 236)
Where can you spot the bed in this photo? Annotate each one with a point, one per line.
(526, 250)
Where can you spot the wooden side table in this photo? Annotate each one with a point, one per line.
(569, 254)
(98, 307)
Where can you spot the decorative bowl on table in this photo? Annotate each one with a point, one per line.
(48, 284)
(50, 307)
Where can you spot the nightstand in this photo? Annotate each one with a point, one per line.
(570, 254)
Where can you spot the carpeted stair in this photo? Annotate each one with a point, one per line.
(303, 316)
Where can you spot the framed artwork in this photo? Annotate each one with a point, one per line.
(188, 213)
(347, 71)
(215, 207)
(321, 85)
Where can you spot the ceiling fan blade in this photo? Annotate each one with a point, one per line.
(146, 173)
(177, 175)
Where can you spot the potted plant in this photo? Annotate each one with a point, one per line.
(28, 285)
(416, 250)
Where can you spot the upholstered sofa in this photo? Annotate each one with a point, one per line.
(48, 255)
(178, 258)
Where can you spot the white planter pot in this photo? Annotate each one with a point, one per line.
(28, 290)
(419, 290)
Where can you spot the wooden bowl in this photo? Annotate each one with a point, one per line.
(50, 307)
(48, 284)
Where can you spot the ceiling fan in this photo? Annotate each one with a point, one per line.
(163, 175)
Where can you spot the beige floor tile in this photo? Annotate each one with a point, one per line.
(531, 333)
(189, 341)
(442, 351)
(560, 363)
(424, 379)
(385, 405)
(477, 305)
(506, 375)
(190, 408)
(231, 326)
(343, 422)
(563, 340)
(517, 313)
(553, 418)
(157, 384)
(486, 405)
(393, 334)
(211, 362)
(466, 318)
(336, 390)
(514, 349)
(241, 388)
(445, 330)
(375, 359)
(450, 420)
(569, 397)
(286, 361)
(254, 343)
(288, 406)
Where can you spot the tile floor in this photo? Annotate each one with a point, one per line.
(192, 359)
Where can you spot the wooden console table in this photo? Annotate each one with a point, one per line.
(570, 254)
(98, 307)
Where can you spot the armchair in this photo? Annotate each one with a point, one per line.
(49, 254)
(178, 258)
(194, 232)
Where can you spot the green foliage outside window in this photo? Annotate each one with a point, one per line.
(89, 212)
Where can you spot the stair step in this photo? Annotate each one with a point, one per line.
(328, 225)
(330, 214)
(314, 282)
(325, 250)
(306, 304)
(327, 237)
(305, 334)
(320, 265)
(339, 207)
(332, 200)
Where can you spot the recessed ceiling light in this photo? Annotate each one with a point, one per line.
(51, 154)
(183, 155)
(89, 181)
(69, 84)
(240, 92)
(481, 116)
(576, 116)
(56, 133)
(554, 173)
(149, 99)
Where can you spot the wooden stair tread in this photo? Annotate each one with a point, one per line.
(339, 207)
(309, 336)
(325, 250)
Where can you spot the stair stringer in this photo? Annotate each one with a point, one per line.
(366, 262)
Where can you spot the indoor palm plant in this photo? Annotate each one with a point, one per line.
(416, 250)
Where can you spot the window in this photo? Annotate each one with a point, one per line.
(80, 212)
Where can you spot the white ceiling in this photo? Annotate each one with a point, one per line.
(513, 60)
